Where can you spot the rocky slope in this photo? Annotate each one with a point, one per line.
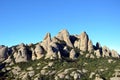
(65, 56)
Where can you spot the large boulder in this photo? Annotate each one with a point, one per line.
(90, 46)
(84, 41)
(64, 36)
(21, 54)
(39, 52)
(72, 54)
(97, 53)
(77, 44)
(114, 54)
(3, 53)
(106, 52)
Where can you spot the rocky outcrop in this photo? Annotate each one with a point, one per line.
(65, 56)
(106, 52)
(3, 53)
(97, 53)
(114, 54)
(64, 36)
(90, 46)
(62, 45)
(50, 53)
(84, 41)
(72, 54)
(21, 54)
(46, 41)
(39, 52)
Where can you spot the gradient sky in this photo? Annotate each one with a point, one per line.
(27, 21)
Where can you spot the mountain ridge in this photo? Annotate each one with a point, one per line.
(63, 47)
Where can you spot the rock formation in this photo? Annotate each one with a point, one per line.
(64, 36)
(84, 41)
(3, 53)
(21, 54)
(64, 56)
(39, 52)
(61, 45)
(90, 46)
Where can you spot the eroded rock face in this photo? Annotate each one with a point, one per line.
(84, 41)
(64, 35)
(3, 53)
(114, 54)
(77, 44)
(90, 46)
(62, 45)
(39, 52)
(46, 41)
(72, 54)
(97, 53)
(106, 52)
(50, 53)
(64, 48)
(21, 54)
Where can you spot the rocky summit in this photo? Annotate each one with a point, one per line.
(62, 57)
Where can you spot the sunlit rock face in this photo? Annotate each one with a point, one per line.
(61, 45)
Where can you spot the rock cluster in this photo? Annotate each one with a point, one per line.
(62, 45)
(63, 48)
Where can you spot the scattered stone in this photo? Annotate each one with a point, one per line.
(91, 75)
(31, 73)
(50, 64)
(30, 68)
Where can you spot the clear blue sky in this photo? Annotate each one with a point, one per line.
(28, 21)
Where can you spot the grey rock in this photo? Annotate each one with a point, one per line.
(46, 41)
(67, 77)
(39, 52)
(114, 54)
(115, 78)
(92, 74)
(50, 64)
(30, 68)
(25, 77)
(50, 53)
(84, 41)
(77, 44)
(77, 76)
(106, 51)
(72, 54)
(90, 46)
(61, 75)
(97, 53)
(8, 68)
(92, 56)
(43, 72)
(64, 35)
(8, 60)
(31, 73)
(59, 55)
(3, 53)
(21, 56)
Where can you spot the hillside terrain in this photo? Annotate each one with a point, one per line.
(62, 57)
